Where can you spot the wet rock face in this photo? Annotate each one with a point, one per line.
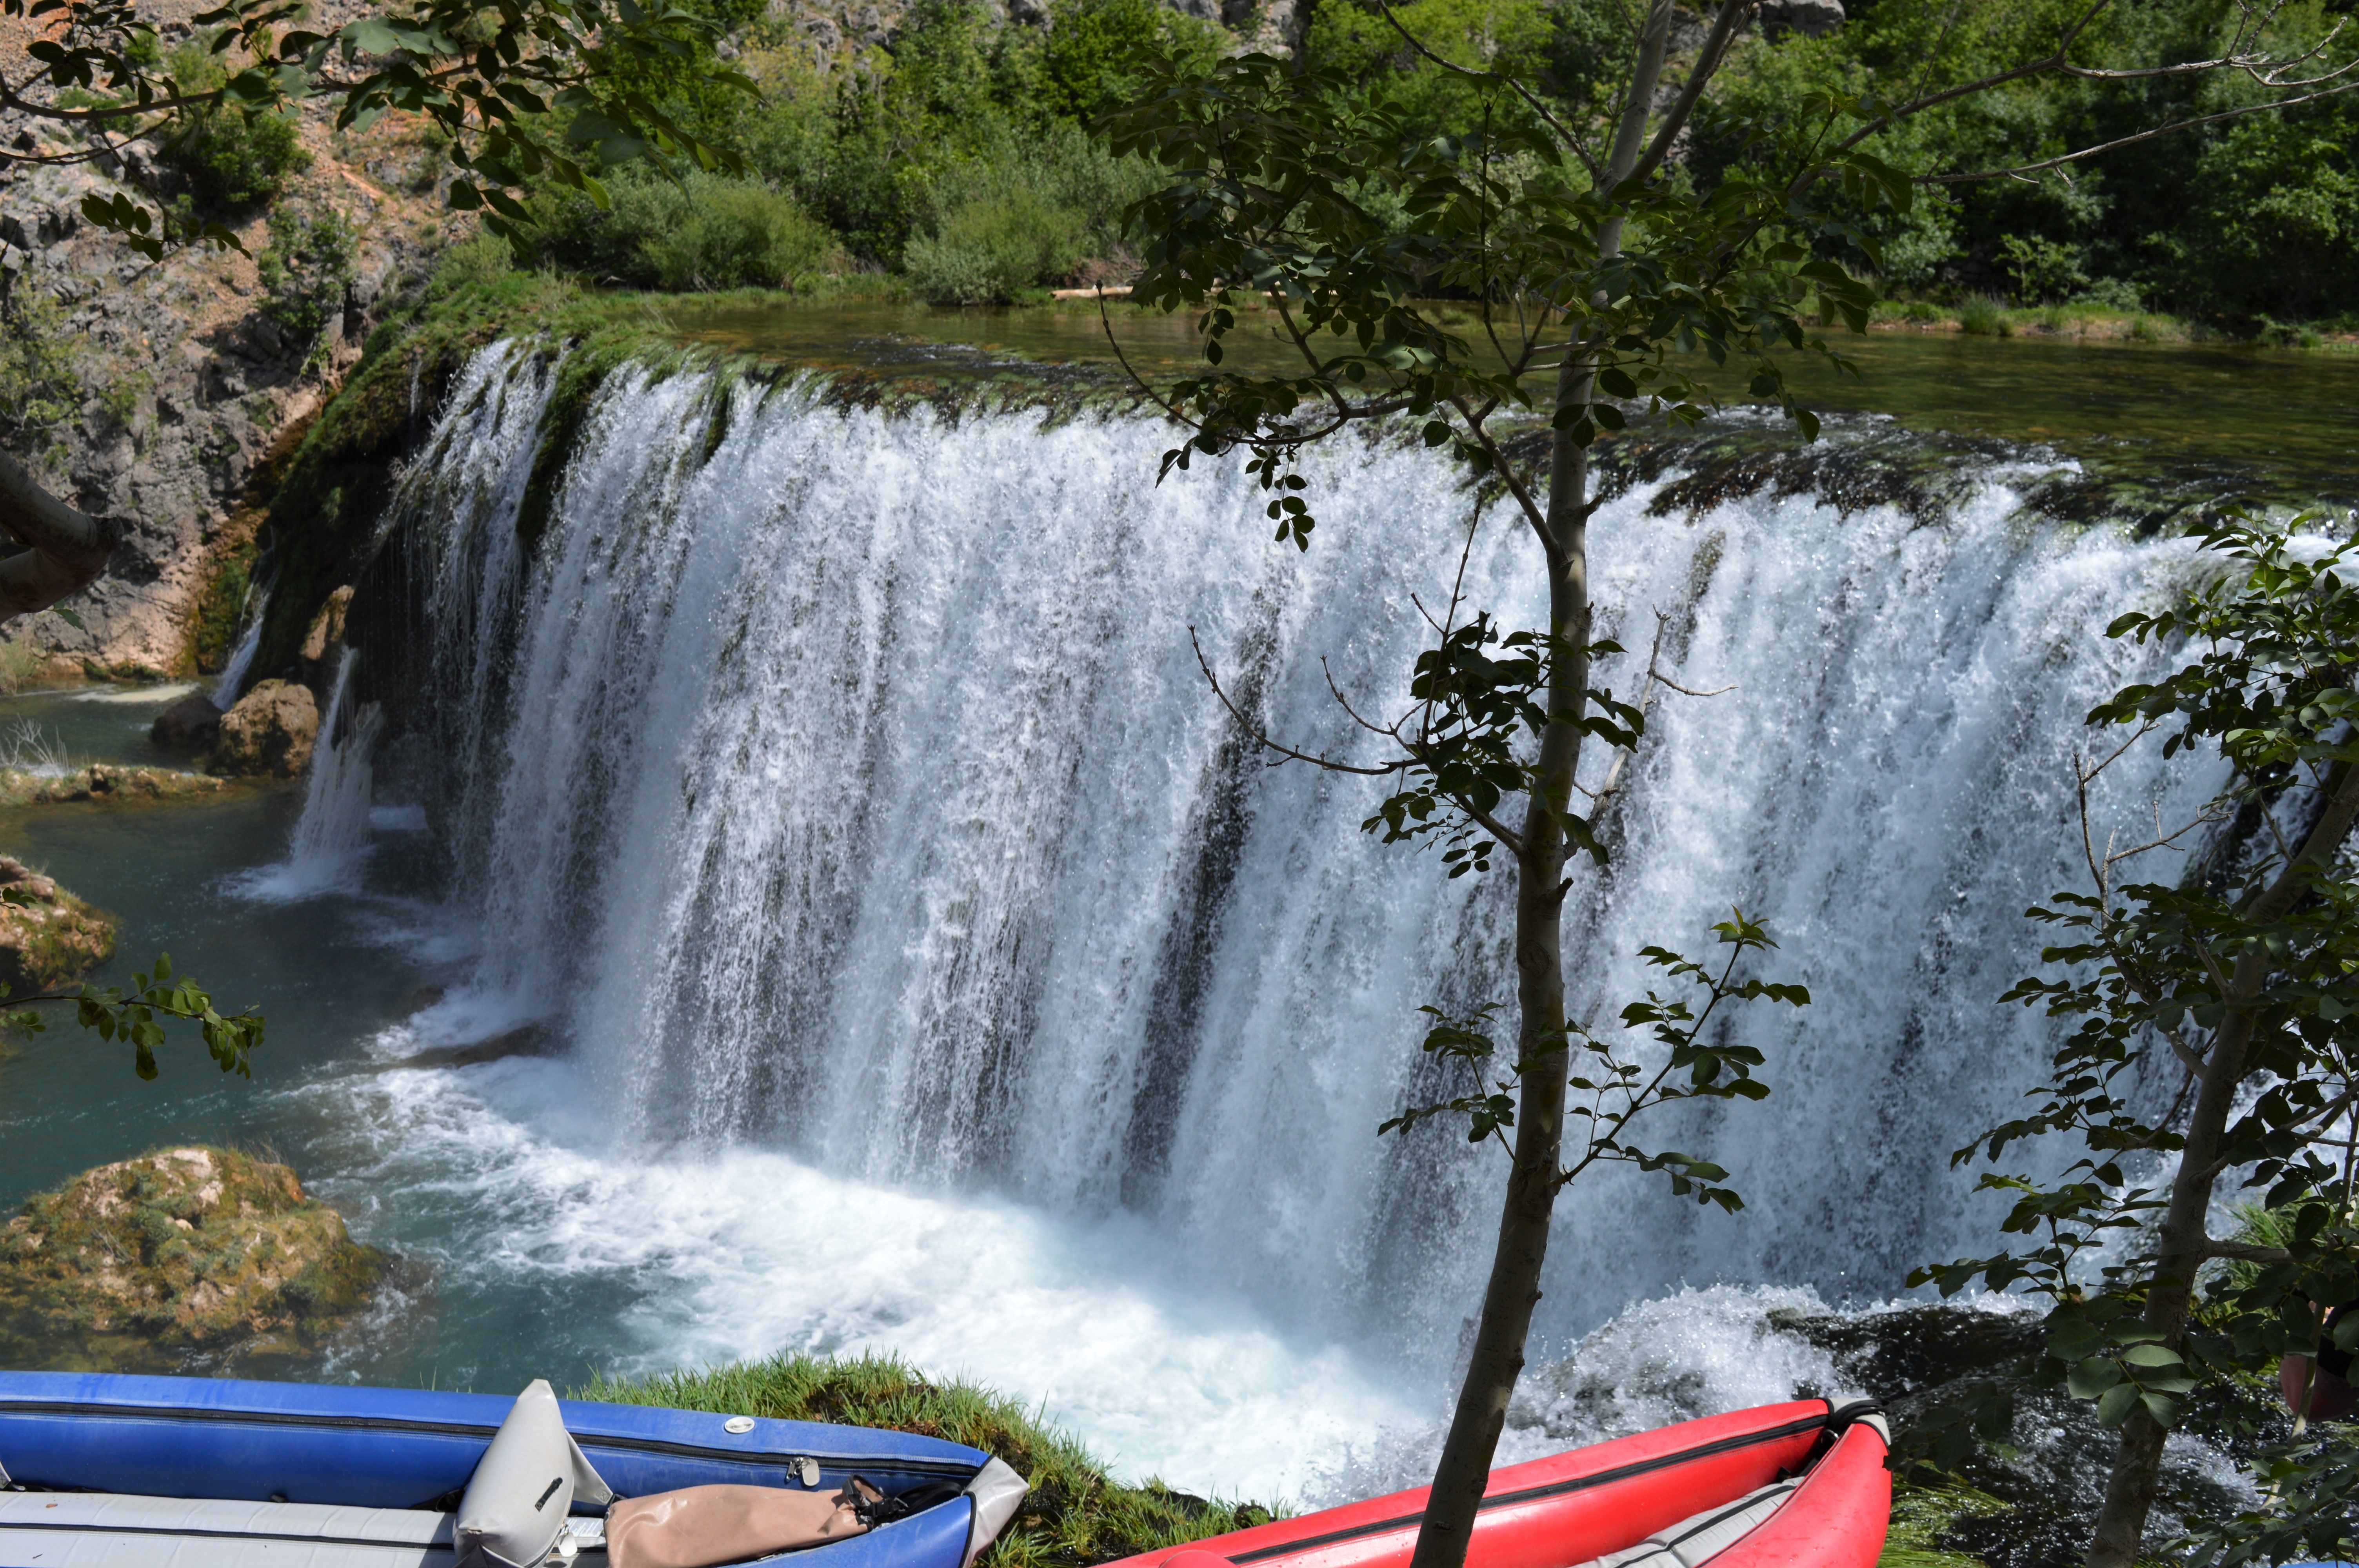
(183, 1258)
(1811, 19)
(2032, 1500)
(271, 730)
(47, 937)
(191, 724)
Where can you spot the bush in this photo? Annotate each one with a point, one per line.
(37, 384)
(2112, 294)
(231, 156)
(479, 259)
(1982, 317)
(708, 231)
(305, 274)
(994, 246)
(234, 157)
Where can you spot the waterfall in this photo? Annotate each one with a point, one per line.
(333, 835)
(241, 657)
(844, 780)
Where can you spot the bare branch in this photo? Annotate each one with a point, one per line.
(1286, 754)
(2024, 171)
(66, 549)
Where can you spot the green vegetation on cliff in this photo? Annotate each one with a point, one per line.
(1074, 1515)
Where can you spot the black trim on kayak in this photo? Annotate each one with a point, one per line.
(1552, 1489)
(471, 1429)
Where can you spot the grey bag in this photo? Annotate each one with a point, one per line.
(523, 1488)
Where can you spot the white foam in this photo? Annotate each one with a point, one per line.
(141, 696)
(749, 1253)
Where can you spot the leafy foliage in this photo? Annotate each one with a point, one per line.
(133, 1016)
(1286, 182)
(2244, 973)
(306, 273)
(1614, 1086)
(532, 91)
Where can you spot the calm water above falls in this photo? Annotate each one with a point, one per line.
(2278, 422)
(940, 976)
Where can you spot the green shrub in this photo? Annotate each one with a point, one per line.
(305, 274)
(1981, 315)
(231, 156)
(479, 259)
(994, 246)
(2044, 269)
(2112, 294)
(38, 387)
(708, 231)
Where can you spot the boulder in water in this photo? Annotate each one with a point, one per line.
(46, 934)
(191, 724)
(271, 730)
(181, 1256)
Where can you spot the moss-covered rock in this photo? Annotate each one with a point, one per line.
(102, 781)
(180, 1258)
(47, 937)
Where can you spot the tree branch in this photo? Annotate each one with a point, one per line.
(66, 549)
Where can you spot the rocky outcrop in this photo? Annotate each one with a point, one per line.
(47, 937)
(323, 644)
(270, 731)
(183, 1256)
(186, 382)
(191, 724)
(102, 780)
(1811, 19)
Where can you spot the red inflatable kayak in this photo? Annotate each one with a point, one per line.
(1791, 1486)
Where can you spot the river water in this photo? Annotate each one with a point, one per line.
(929, 970)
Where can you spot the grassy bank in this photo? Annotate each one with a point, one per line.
(1987, 318)
(1075, 1513)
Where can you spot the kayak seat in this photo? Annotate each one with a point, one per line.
(1698, 1539)
(100, 1530)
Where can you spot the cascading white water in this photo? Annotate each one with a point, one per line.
(845, 781)
(240, 656)
(333, 834)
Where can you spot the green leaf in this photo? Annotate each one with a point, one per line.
(2093, 1376)
(2119, 1401)
(67, 614)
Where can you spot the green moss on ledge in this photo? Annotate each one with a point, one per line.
(180, 1258)
(1074, 1515)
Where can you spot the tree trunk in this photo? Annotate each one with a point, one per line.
(2183, 1239)
(1464, 1470)
(66, 549)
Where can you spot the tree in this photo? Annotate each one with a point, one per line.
(549, 91)
(1591, 262)
(2242, 974)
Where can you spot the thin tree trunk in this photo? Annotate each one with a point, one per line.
(66, 549)
(1464, 1470)
(2184, 1241)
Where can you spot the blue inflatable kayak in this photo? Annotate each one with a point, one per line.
(97, 1471)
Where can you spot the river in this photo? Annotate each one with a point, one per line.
(929, 971)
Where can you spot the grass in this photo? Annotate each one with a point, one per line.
(1075, 1513)
(1922, 1515)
